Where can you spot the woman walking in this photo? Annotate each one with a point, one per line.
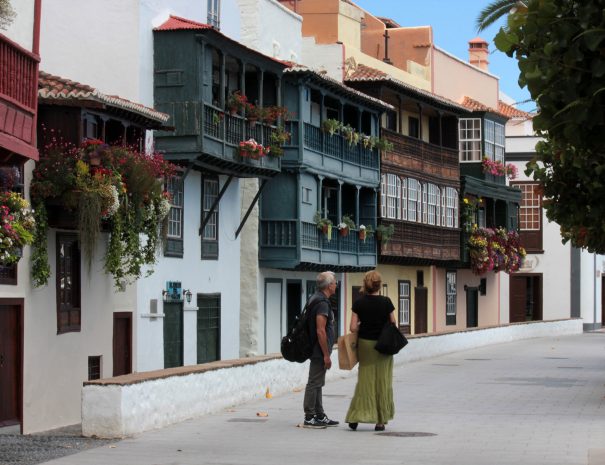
(373, 398)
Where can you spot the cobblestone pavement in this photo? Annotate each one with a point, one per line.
(16, 449)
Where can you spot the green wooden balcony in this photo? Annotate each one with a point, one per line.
(210, 137)
(299, 245)
(332, 153)
(475, 170)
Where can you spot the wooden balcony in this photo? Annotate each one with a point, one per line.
(413, 155)
(210, 137)
(18, 99)
(415, 243)
(299, 245)
(332, 153)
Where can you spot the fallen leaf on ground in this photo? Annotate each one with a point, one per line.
(262, 414)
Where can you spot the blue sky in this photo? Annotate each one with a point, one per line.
(453, 23)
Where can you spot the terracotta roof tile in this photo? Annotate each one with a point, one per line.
(174, 23)
(56, 88)
(366, 73)
(513, 112)
(475, 105)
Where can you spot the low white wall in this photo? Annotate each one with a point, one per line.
(118, 410)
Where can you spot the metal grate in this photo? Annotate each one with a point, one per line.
(406, 434)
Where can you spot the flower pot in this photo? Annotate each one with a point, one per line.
(344, 232)
(362, 235)
(378, 235)
(324, 228)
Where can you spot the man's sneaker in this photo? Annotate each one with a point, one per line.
(313, 423)
(324, 420)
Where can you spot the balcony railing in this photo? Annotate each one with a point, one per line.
(18, 74)
(475, 170)
(422, 242)
(416, 155)
(18, 98)
(225, 132)
(279, 243)
(337, 147)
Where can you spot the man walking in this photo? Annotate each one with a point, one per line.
(321, 329)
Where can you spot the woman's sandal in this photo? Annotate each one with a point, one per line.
(379, 428)
(353, 426)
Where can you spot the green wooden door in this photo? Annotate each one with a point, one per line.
(173, 334)
(208, 327)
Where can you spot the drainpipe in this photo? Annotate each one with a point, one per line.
(594, 276)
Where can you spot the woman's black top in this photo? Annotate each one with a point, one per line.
(373, 313)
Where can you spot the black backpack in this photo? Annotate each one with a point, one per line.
(297, 346)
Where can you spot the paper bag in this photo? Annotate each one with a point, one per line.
(347, 351)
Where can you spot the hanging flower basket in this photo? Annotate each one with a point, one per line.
(495, 250)
(252, 149)
(17, 227)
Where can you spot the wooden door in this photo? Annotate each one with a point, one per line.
(517, 293)
(208, 327)
(173, 334)
(122, 343)
(472, 307)
(420, 310)
(10, 364)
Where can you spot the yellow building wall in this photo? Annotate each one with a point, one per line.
(391, 275)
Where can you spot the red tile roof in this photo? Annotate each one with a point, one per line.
(475, 105)
(174, 23)
(57, 89)
(367, 73)
(513, 112)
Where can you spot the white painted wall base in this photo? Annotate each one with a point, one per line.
(123, 409)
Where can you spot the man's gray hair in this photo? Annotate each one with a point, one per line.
(325, 279)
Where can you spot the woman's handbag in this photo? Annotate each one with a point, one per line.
(347, 351)
(390, 341)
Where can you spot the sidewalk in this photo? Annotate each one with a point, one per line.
(537, 401)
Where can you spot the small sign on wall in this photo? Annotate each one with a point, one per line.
(173, 291)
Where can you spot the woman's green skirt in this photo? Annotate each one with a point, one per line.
(373, 398)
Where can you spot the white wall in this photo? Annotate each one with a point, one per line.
(55, 365)
(328, 58)
(21, 30)
(271, 28)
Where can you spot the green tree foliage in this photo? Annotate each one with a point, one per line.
(496, 10)
(560, 49)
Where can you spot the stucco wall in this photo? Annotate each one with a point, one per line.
(21, 30)
(454, 78)
(323, 57)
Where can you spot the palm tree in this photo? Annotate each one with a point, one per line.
(496, 10)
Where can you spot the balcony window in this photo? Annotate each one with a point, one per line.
(530, 216)
(470, 139)
(451, 207)
(413, 127)
(413, 188)
(425, 209)
(494, 141)
(404, 303)
(431, 203)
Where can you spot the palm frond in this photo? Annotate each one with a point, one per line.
(494, 11)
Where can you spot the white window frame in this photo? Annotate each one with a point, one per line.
(175, 215)
(451, 214)
(451, 293)
(404, 199)
(393, 196)
(499, 142)
(425, 195)
(432, 204)
(383, 196)
(530, 208)
(405, 300)
(469, 136)
(210, 193)
(413, 185)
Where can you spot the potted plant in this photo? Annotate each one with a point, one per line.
(17, 227)
(350, 135)
(331, 126)
(123, 194)
(345, 225)
(255, 113)
(278, 138)
(323, 224)
(273, 113)
(495, 250)
(252, 149)
(383, 145)
(384, 233)
(236, 102)
(365, 232)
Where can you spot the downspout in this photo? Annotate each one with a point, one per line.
(594, 277)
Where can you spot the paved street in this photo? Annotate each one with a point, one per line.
(539, 401)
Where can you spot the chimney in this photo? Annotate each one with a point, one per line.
(478, 52)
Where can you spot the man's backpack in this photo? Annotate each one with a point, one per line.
(296, 346)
